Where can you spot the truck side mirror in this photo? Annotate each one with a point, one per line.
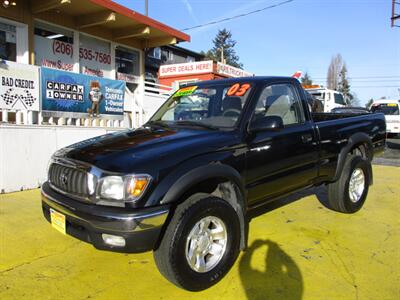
(266, 123)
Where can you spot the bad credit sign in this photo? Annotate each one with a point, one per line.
(197, 67)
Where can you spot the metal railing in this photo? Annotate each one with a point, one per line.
(139, 107)
(26, 117)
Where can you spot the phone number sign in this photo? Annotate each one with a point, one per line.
(95, 56)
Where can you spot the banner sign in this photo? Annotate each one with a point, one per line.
(94, 57)
(55, 54)
(198, 67)
(230, 71)
(19, 86)
(79, 96)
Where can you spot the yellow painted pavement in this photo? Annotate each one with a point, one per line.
(298, 251)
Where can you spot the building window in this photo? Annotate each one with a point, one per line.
(54, 47)
(190, 59)
(127, 61)
(169, 55)
(8, 42)
(155, 53)
(94, 57)
(127, 67)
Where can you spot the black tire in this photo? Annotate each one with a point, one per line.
(170, 256)
(338, 192)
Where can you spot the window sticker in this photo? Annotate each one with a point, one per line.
(185, 91)
(238, 89)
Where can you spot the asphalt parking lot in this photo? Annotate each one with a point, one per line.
(300, 250)
(391, 156)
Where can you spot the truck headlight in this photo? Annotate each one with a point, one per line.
(48, 168)
(126, 188)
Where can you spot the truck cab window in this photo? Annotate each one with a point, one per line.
(280, 100)
(339, 99)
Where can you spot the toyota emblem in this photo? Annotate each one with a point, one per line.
(64, 178)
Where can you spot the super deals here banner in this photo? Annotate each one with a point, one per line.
(79, 96)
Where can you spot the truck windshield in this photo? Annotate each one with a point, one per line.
(386, 108)
(339, 99)
(211, 106)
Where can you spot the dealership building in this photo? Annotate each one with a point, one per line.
(94, 38)
(70, 70)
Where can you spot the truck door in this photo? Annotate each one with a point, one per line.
(284, 160)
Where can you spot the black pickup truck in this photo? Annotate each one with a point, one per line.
(186, 183)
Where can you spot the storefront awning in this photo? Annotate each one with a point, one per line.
(109, 20)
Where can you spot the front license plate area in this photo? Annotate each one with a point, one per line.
(58, 221)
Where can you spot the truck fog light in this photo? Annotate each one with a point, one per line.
(113, 240)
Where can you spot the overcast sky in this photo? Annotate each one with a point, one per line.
(301, 35)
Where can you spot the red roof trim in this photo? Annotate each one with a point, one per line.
(141, 18)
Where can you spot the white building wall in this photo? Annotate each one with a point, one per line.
(26, 150)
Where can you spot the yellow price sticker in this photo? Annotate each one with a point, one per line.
(185, 91)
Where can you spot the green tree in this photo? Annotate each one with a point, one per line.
(369, 103)
(344, 86)
(224, 49)
(306, 79)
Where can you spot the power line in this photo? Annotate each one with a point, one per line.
(362, 77)
(377, 86)
(238, 16)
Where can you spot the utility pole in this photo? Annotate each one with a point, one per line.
(146, 7)
(395, 13)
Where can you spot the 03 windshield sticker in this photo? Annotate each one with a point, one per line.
(238, 89)
(185, 91)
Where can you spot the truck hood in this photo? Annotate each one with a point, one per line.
(146, 149)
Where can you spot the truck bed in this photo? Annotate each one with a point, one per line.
(319, 117)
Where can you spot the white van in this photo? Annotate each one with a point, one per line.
(392, 114)
(330, 98)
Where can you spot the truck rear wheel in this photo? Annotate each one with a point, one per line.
(200, 244)
(348, 194)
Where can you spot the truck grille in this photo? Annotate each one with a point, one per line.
(68, 179)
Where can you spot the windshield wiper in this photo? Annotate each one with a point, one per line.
(196, 123)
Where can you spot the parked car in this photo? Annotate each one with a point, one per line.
(184, 186)
(390, 108)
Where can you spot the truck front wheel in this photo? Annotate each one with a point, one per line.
(200, 244)
(348, 194)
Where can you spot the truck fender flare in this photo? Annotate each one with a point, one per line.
(197, 175)
(355, 139)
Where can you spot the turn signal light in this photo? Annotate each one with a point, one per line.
(137, 185)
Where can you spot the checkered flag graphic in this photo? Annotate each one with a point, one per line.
(27, 99)
(8, 98)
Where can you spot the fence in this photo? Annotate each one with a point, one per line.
(138, 108)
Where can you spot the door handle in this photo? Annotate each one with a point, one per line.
(306, 138)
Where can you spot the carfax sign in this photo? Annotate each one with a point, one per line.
(66, 94)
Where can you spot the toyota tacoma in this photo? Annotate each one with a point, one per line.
(185, 184)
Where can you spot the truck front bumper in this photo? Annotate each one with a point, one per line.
(140, 228)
